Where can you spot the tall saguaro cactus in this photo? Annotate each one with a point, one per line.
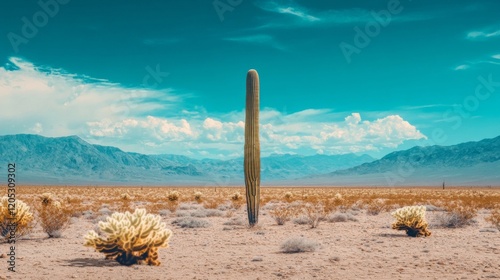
(252, 148)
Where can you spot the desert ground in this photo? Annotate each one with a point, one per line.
(212, 240)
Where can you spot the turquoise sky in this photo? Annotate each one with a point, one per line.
(336, 76)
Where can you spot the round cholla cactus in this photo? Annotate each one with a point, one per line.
(15, 221)
(198, 196)
(174, 196)
(412, 220)
(131, 238)
(57, 204)
(237, 200)
(46, 198)
(236, 196)
(338, 198)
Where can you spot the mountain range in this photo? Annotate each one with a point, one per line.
(470, 163)
(70, 160)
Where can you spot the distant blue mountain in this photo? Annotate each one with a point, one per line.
(70, 160)
(471, 163)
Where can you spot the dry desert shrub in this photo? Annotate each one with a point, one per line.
(237, 200)
(283, 213)
(315, 213)
(299, 245)
(124, 205)
(411, 219)
(375, 206)
(154, 208)
(456, 215)
(213, 203)
(131, 238)
(172, 205)
(186, 206)
(75, 204)
(54, 217)
(346, 205)
(332, 204)
(494, 218)
(16, 219)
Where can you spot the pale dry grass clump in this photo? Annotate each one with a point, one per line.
(341, 217)
(203, 213)
(299, 245)
(411, 219)
(189, 222)
(235, 222)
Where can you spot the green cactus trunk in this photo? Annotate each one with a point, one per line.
(252, 148)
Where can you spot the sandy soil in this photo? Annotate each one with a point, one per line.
(365, 249)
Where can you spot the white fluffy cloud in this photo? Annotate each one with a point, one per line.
(482, 35)
(157, 128)
(351, 135)
(48, 101)
(226, 132)
(53, 103)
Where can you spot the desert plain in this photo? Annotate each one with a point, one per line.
(326, 233)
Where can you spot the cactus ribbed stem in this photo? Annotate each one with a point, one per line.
(252, 148)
